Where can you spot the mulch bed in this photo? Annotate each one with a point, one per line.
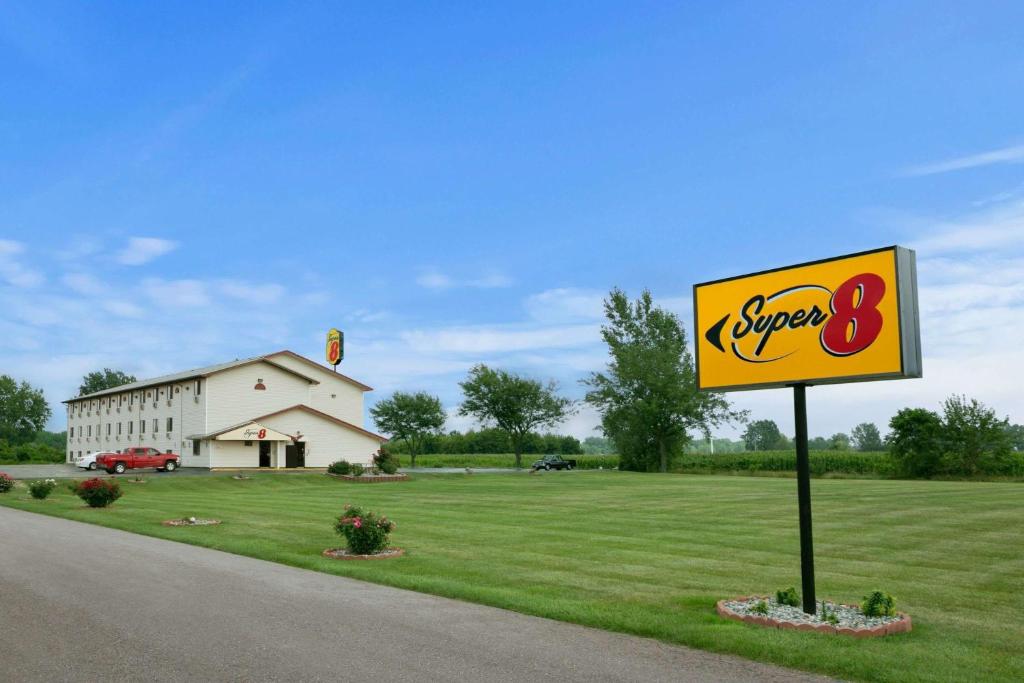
(851, 621)
(189, 522)
(344, 554)
(370, 478)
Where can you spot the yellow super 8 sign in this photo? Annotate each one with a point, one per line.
(846, 319)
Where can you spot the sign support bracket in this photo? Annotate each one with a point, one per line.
(803, 487)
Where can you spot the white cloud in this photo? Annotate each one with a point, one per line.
(142, 250)
(432, 278)
(1005, 155)
(176, 293)
(252, 293)
(566, 304)
(480, 340)
(82, 283)
(13, 271)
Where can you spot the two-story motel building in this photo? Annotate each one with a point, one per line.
(278, 410)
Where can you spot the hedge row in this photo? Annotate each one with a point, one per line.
(29, 453)
(878, 464)
(505, 460)
(822, 462)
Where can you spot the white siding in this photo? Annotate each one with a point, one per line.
(232, 399)
(326, 442)
(335, 396)
(236, 454)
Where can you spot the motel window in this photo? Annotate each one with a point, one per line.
(170, 424)
(142, 426)
(199, 387)
(248, 443)
(119, 429)
(89, 433)
(156, 425)
(131, 427)
(195, 447)
(108, 429)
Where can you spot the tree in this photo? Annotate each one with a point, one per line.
(865, 437)
(763, 435)
(976, 441)
(648, 395)
(1016, 435)
(517, 405)
(818, 443)
(410, 418)
(23, 411)
(839, 442)
(104, 379)
(916, 442)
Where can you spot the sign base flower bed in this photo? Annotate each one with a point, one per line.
(191, 521)
(849, 620)
(346, 554)
(370, 478)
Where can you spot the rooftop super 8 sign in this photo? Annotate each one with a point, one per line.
(845, 319)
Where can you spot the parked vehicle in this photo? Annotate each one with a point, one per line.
(88, 461)
(136, 458)
(553, 462)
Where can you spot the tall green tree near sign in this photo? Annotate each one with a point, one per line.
(518, 405)
(103, 379)
(648, 396)
(411, 418)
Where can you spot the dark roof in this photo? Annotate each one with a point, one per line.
(320, 367)
(190, 374)
(312, 411)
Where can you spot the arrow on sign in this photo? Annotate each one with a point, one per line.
(714, 334)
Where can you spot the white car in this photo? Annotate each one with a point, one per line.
(88, 461)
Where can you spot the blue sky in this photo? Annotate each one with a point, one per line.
(184, 183)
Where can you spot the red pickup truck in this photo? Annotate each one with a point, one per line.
(137, 457)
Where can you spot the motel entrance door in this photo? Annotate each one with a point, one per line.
(295, 454)
(265, 447)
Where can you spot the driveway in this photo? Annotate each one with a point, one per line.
(65, 471)
(85, 603)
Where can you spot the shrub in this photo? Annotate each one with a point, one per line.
(42, 488)
(878, 604)
(760, 608)
(6, 483)
(340, 467)
(788, 597)
(356, 470)
(385, 462)
(828, 613)
(365, 532)
(98, 493)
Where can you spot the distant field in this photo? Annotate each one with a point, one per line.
(854, 464)
(584, 462)
(648, 554)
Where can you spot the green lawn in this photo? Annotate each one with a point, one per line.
(649, 554)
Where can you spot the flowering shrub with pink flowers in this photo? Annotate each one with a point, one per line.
(98, 493)
(6, 483)
(365, 532)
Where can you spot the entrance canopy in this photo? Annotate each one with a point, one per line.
(250, 431)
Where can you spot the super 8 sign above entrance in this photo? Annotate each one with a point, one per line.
(846, 319)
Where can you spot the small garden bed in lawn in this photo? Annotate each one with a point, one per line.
(346, 554)
(830, 617)
(369, 478)
(191, 521)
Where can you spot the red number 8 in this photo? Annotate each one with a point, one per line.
(863, 314)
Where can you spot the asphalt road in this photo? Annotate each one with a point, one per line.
(84, 603)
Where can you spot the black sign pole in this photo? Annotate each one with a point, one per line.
(803, 487)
